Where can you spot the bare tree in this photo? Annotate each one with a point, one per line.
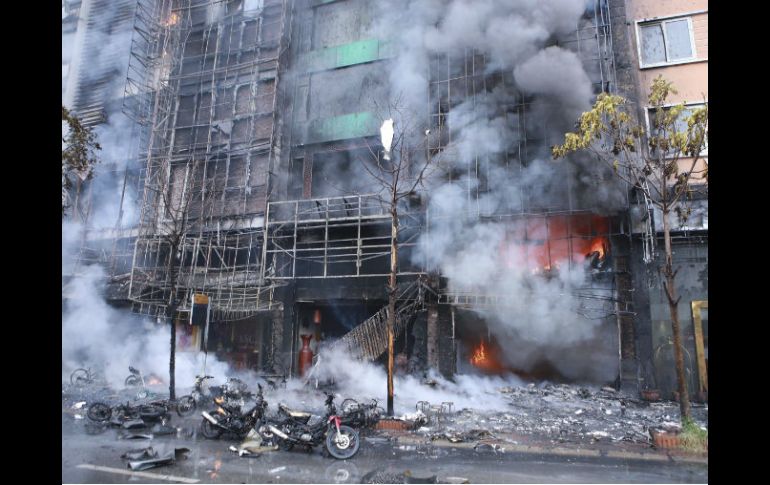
(398, 172)
(663, 165)
(181, 197)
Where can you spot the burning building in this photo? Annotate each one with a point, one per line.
(253, 119)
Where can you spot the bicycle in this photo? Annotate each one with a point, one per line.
(83, 377)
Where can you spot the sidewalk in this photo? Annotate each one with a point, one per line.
(510, 443)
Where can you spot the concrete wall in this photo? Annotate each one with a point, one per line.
(692, 285)
(340, 23)
(653, 318)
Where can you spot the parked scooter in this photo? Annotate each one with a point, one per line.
(341, 441)
(228, 417)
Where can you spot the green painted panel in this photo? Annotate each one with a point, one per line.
(357, 52)
(344, 55)
(353, 125)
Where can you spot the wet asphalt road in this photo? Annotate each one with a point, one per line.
(96, 459)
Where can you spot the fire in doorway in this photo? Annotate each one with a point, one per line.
(484, 357)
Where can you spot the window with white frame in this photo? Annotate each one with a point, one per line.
(666, 42)
(680, 125)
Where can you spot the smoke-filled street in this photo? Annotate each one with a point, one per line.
(385, 457)
(547, 433)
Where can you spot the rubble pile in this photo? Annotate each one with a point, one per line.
(563, 413)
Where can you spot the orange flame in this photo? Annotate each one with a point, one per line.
(154, 381)
(598, 246)
(479, 357)
(486, 359)
(543, 244)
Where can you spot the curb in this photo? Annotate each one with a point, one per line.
(564, 451)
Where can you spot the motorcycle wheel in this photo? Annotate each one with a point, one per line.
(132, 381)
(343, 445)
(209, 430)
(185, 406)
(99, 411)
(79, 377)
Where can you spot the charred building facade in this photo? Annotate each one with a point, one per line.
(253, 119)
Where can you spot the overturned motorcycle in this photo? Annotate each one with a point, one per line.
(342, 442)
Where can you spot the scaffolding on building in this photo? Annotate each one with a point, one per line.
(335, 237)
(202, 78)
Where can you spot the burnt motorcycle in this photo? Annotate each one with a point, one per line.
(360, 415)
(234, 391)
(228, 417)
(201, 393)
(102, 412)
(135, 378)
(341, 441)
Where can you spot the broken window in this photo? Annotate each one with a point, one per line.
(666, 42)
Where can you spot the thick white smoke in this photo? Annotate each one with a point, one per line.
(364, 380)
(109, 340)
(540, 319)
(97, 59)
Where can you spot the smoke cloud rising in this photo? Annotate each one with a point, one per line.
(364, 381)
(541, 319)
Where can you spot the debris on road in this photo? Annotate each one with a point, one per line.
(133, 424)
(145, 458)
(488, 448)
(456, 480)
(127, 435)
(161, 429)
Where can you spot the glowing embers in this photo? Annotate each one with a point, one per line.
(549, 244)
(154, 381)
(172, 20)
(484, 357)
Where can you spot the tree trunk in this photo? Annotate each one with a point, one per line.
(392, 300)
(172, 353)
(668, 272)
(171, 314)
